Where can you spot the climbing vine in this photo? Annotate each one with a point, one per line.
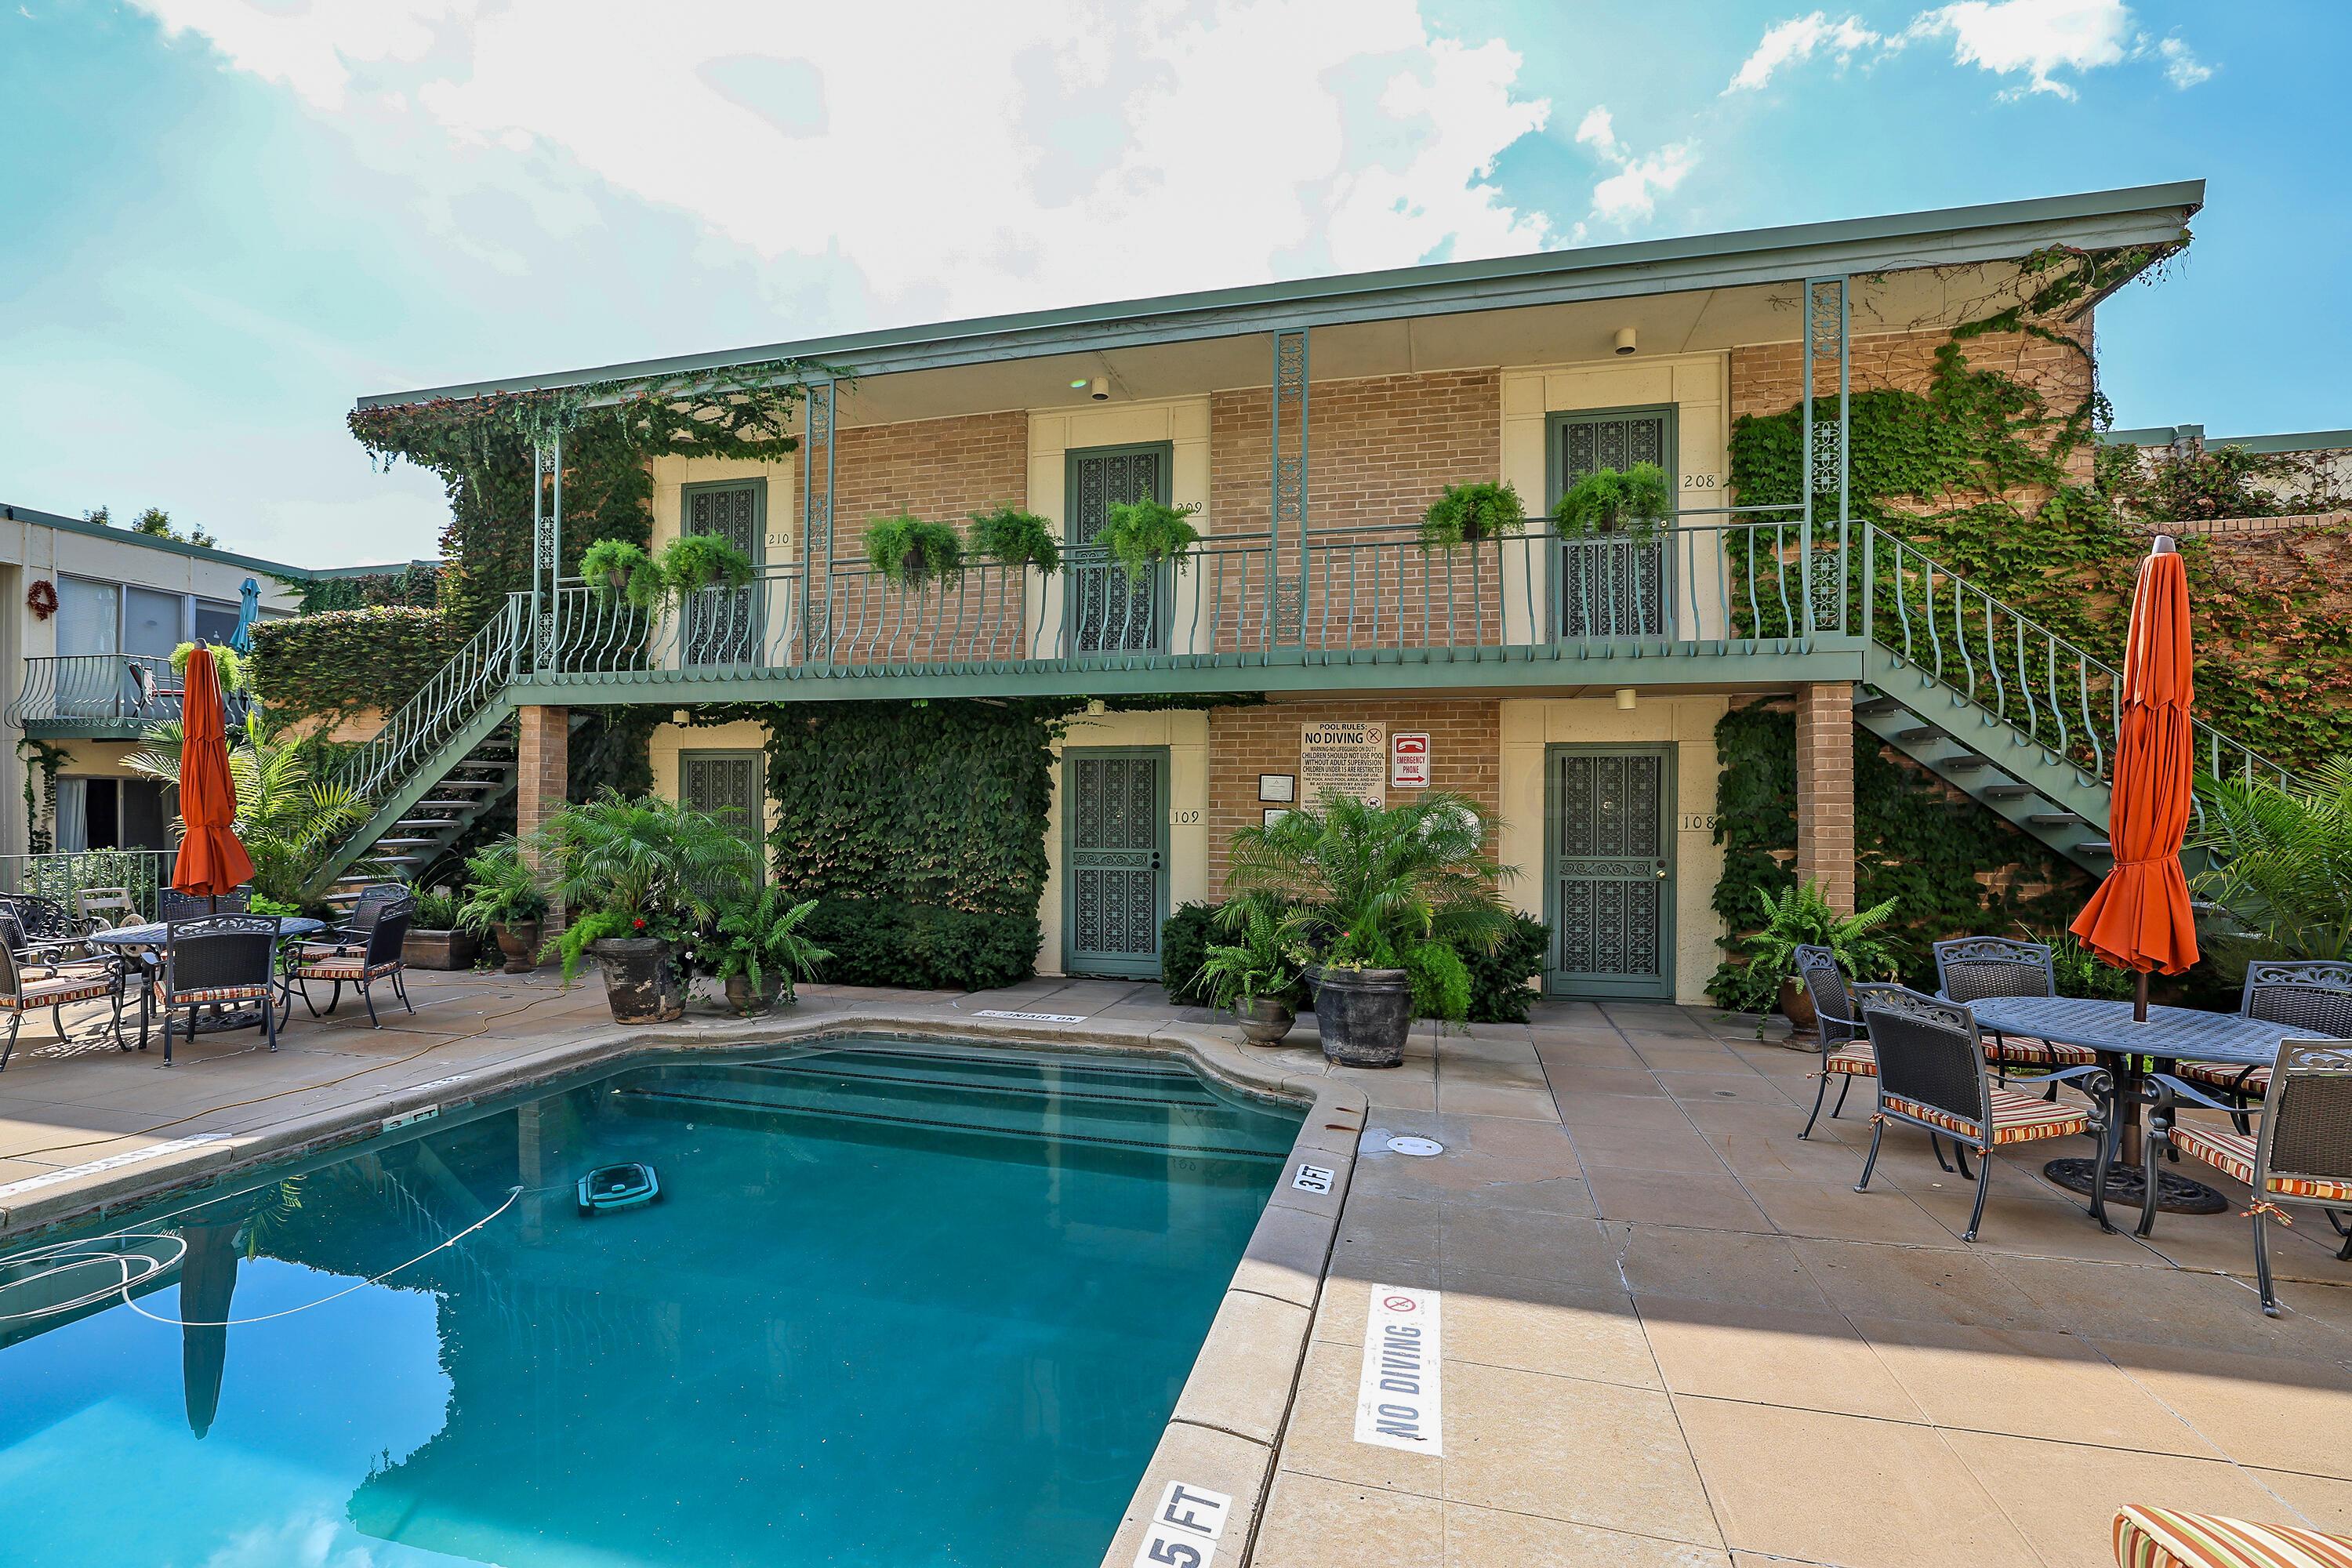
(43, 759)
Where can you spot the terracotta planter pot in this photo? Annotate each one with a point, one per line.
(641, 980)
(520, 943)
(439, 949)
(1265, 1022)
(1364, 1015)
(749, 1003)
(1797, 1004)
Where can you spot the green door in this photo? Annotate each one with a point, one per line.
(1115, 859)
(731, 786)
(1613, 585)
(1107, 612)
(1609, 877)
(722, 626)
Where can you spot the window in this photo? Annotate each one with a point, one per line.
(89, 616)
(215, 620)
(111, 814)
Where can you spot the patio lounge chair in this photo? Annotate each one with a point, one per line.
(1931, 1075)
(1975, 967)
(2315, 995)
(212, 961)
(376, 958)
(27, 984)
(2303, 1153)
(2149, 1537)
(1846, 1047)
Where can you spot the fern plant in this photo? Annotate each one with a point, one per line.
(1466, 514)
(617, 569)
(1266, 961)
(1802, 917)
(762, 935)
(2279, 862)
(693, 561)
(1632, 501)
(1142, 535)
(1016, 538)
(910, 552)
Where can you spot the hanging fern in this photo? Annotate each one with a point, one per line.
(1142, 535)
(910, 552)
(1016, 538)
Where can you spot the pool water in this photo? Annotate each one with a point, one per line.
(895, 1305)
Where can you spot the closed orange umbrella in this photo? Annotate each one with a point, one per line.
(212, 862)
(2139, 919)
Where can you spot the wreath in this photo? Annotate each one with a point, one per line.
(42, 598)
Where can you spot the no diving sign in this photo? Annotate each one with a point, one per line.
(1399, 1401)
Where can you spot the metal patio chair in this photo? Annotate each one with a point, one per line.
(1972, 968)
(27, 984)
(174, 905)
(1845, 1045)
(2302, 993)
(2301, 1154)
(350, 937)
(1931, 1075)
(365, 963)
(217, 961)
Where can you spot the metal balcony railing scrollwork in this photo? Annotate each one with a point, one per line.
(104, 689)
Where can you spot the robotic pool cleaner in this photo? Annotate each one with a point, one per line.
(623, 1186)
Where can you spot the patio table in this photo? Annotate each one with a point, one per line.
(147, 942)
(2170, 1036)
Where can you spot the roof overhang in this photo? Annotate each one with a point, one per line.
(1985, 242)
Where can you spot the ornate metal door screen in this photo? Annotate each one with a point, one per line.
(1107, 612)
(1610, 871)
(1613, 585)
(730, 785)
(722, 626)
(1115, 820)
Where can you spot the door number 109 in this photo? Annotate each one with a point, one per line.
(1183, 819)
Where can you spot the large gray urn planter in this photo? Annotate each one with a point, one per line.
(1364, 1015)
(641, 981)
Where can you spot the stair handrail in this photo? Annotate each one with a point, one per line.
(444, 705)
(1993, 662)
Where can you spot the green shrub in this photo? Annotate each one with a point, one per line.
(1185, 940)
(1441, 984)
(910, 552)
(886, 941)
(1499, 980)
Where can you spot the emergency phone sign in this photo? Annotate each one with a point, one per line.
(1409, 760)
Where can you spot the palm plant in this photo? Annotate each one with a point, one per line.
(642, 866)
(287, 817)
(2280, 860)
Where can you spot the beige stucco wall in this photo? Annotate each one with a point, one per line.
(1054, 433)
(1686, 723)
(669, 740)
(1186, 736)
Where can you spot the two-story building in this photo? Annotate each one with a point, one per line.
(1570, 683)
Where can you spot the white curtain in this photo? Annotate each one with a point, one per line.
(73, 814)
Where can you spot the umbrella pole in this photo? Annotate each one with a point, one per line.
(2139, 997)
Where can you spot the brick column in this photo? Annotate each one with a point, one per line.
(1825, 790)
(543, 771)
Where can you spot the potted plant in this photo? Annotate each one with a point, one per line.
(1390, 897)
(1802, 917)
(693, 561)
(644, 876)
(1632, 501)
(759, 950)
(617, 570)
(910, 552)
(505, 900)
(1017, 538)
(227, 663)
(436, 940)
(1143, 535)
(1261, 974)
(1468, 514)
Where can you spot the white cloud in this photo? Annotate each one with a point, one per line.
(1794, 41)
(1631, 193)
(2036, 38)
(2182, 68)
(982, 159)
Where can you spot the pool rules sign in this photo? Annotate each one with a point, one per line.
(1342, 756)
(1399, 1401)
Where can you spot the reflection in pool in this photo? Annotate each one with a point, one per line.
(894, 1305)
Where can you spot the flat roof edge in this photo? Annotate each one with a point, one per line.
(2096, 219)
(13, 513)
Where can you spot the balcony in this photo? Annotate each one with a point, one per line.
(101, 696)
(1714, 597)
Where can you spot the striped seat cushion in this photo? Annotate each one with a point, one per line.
(56, 992)
(2251, 1082)
(346, 969)
(2024, 1050)
(319, 952)
(214, 994)
(1854, 1060)
(2232, 1155)
(2164, 1538)
(2016, 1118)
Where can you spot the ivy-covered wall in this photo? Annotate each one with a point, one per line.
(324, 669)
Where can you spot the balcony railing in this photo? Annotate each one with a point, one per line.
(115, 693)
(1711, 582)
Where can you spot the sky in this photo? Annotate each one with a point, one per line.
(227, 220)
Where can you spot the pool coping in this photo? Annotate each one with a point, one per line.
(1228, 1421)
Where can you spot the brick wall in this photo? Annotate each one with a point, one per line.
(938, 470)
(1465, 751)
(1825, 790)
(543, 777)
(1766, 377)
(1378, 449)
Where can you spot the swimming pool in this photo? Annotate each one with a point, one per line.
(896, 1304)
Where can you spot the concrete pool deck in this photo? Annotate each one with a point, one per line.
(1673, 1333)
